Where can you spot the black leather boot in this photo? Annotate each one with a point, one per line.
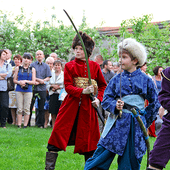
(150, 169)
(50, 160)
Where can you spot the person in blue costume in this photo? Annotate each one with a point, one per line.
(122, 134)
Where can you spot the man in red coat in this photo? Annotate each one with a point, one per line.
(77, 120)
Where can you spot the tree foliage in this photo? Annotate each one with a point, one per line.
(21, 35)
(155, 37)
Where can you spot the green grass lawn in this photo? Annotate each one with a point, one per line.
(25, 149)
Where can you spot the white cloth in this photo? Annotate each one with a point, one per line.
(59, 81)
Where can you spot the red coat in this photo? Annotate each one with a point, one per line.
(87, 134)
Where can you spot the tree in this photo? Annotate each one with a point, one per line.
(153, 36)
(23, 36)
(13, 38)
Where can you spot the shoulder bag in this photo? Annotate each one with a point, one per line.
(10, 83)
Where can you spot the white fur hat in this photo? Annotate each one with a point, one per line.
(135, 48)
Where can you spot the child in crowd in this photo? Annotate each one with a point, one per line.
(122, 134)
(77, 121)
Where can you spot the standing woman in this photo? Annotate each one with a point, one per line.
(5, 72)
(50, 62)
(151, 128)
(55, 85)
(157, 78)
(24, 77)
(12, 96)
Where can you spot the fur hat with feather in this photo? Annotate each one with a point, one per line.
(135, 48)
(88, 42)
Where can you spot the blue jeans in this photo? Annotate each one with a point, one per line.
(4, 102)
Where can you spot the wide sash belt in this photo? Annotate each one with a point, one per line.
(82, 82)
(132, 100)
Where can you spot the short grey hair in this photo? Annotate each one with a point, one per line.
(49, 58)
(115, 64)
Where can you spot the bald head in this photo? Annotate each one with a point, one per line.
(40, 55)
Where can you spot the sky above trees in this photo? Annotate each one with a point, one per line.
(109, 12)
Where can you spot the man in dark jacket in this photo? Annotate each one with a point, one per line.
(107, 70)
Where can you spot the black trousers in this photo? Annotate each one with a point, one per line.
(54, 104)
(9, 120)
(40, 113)
(4, 103)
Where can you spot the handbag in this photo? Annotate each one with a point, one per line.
(10, 83)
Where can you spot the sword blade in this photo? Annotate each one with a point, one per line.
(88, 68)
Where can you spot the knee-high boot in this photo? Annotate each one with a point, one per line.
(50, 160)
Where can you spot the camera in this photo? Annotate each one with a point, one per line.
(26, 86)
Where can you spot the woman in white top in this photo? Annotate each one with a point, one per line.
(54, 87)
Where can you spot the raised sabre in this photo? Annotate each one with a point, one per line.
(88, 68)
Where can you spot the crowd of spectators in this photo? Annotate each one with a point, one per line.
(39, 84)
(35, 82)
